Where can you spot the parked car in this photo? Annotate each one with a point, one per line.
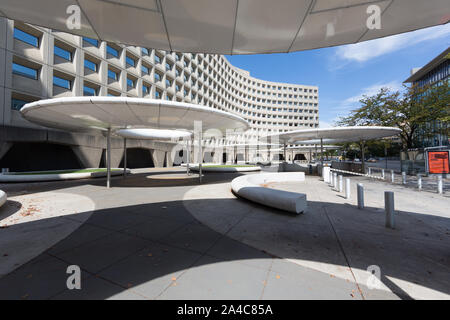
(371, 160)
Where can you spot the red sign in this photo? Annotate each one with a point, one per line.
(438, 162)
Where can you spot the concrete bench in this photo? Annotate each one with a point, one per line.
(3, 197)
(251, 187)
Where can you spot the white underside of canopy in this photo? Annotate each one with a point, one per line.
(152, 134)
(103, 113)
(337, 134)
(231, 26)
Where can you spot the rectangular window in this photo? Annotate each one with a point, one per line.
(168, 67)
(17, 104)
(62, 53)
(145, 51)
(157, 59)
(168, 83)
(113, 75)
(145, 70)
(63, 83)
(26, 37)
(112, 51)
(94, 42)
(157, 95)
(130, 82)
(130, 61)
(24, 71)
(88, 91)
(157, 77)
(90, 65)
(145, 89)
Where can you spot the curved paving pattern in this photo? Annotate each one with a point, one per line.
(142, 243)
(335, 238)
(30, 224)
(169, 238)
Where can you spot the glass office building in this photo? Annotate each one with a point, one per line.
(437, 70)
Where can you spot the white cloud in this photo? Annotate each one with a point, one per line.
(364, 51)
(353, 101)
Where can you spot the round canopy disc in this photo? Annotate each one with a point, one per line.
(102, 113)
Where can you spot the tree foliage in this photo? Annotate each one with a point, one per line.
(410, 110)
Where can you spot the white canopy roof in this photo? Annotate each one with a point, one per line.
(101, 113)
(231, 26)
(341, 134)
(325, 147)
(152, 134)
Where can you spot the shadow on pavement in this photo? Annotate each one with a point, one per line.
(141, 251)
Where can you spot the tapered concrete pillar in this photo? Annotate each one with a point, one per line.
(108, 158)
(124, 157)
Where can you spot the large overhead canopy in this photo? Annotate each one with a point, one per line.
(231, 26)
(103, 113)
(341, 134)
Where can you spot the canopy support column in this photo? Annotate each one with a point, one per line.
(292, 155)
(284, 152)
(200, 156)
(108, 158)
(310, 155)
(315, 152)
(124, 157)
(363, 169)
(188, 156)
(321, 151)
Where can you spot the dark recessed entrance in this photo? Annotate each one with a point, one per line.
(137, 158)
(36, 156)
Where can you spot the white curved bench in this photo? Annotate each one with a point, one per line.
(250, 187)
(3, 197)
(227, 169)
(17, 177)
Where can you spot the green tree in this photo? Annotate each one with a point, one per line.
(409, 110)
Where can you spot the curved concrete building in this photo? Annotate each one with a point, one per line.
(39, 63)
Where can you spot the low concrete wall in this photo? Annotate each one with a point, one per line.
(252, 188)
(296, 167)
(17, 177)
(347, 166)
(226, 169)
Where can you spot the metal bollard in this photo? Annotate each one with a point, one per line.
(341, 183)
(382, 174)
(347, 188)
(370, 171)
(403, 177)
(440, 185)
(392, 176)
(389, 208)
(360, 189)
(335, 182)
(330, 178)
(419, 182)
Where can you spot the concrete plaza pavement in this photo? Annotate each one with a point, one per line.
(155, 235)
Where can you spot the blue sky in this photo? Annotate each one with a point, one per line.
(345, 73)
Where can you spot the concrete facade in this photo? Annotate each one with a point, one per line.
(117, 70)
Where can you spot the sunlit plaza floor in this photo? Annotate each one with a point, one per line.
(160, 235)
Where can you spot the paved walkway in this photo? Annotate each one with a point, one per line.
(150, 237)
